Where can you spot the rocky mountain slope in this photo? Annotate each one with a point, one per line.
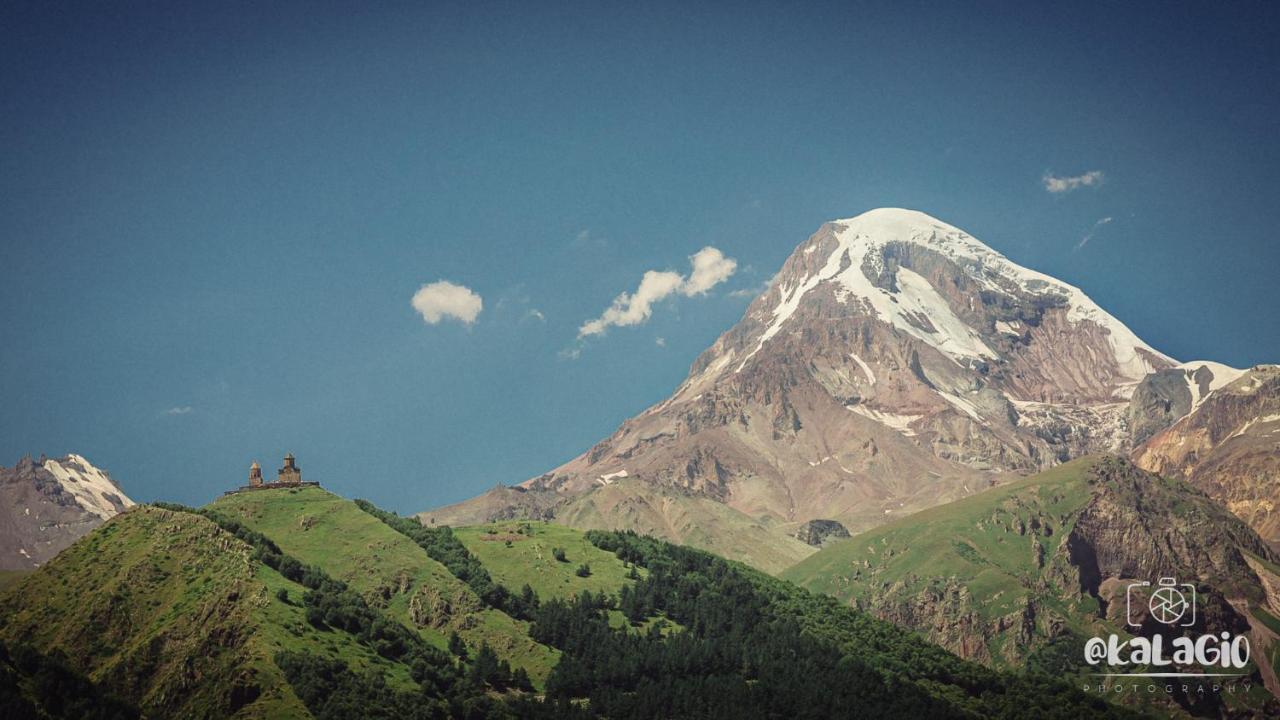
(48, 504)
(1019, 575)
(893, 364)
(1226, 441)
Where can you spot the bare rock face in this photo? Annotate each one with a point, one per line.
(1158, 402)
(816, 532)
(431, 607)
(1228, 444)
(944, 612)
(893, 364)
(1138, 526)
(48, 504)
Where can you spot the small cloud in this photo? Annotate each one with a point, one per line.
(442, 300)
(710, 268)
(586, 238)
(660, 341)
(635, 308)
(535, 314)
(179, 410)
(570, 353)
(1092, 231)
(1055, 184)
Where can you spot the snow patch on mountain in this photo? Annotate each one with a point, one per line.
(866, 369)
(1222, 375)
(962, 405)
(901, 423)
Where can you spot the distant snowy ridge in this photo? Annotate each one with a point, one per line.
(92, 488)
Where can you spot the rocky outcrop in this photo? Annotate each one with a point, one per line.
(1137, 525)
(1228, 445)
(434, 607)
(816, 532)
(1158, 402)
(944, 612)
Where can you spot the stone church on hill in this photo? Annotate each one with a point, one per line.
(289, 476)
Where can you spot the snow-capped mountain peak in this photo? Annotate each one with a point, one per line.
(92, 488)
(895, 362)
(889, 263)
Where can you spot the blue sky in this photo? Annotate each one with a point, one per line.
(213, 220)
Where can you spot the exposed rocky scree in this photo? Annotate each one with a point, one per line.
(894, 363)
(47, 504)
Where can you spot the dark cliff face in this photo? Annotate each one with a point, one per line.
(1139, 526)
(1158, 402)
(816, 532)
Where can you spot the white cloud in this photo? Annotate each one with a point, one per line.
(179, 410)
(441, 300)
(1092, 231)
(1055, 184)
(633, 309)
(536, 314)
(660, 341)
(710, 268)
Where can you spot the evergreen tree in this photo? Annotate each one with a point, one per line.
(456, 646)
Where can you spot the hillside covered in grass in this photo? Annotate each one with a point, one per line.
(298, 603)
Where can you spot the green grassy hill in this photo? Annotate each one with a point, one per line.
(171, 612)
(985, 542)
(1019, 575)
(298, 603)
(520, 553)
(388, 569)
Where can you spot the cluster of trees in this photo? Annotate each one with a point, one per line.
(333, 691)
(487, 669)
(793, 648)
(734, 657)
(33, 685)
